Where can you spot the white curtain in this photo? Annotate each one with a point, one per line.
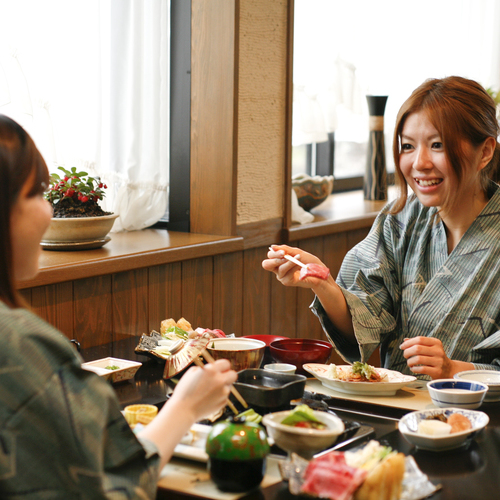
(133, 153)
(89, 80)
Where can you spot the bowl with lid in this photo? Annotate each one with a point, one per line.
(489, 377)
(456, 393)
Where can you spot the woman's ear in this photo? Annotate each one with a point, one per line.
(487, 152)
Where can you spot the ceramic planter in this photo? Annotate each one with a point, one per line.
(73, 233)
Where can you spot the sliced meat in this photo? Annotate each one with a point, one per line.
(330, 477)
(314, 270)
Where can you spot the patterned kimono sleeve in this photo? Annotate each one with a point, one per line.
(368, 279)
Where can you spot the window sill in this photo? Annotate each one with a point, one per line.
(129, 250)
(340, 212)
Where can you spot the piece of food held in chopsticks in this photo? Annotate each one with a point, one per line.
(310, 270)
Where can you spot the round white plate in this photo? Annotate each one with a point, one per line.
(408, 426)
(489, 377)
(395, 381)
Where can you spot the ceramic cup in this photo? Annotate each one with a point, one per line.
(281, 367)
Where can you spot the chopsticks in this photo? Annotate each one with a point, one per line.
(292, 259)
(295, 261)
(209, 359)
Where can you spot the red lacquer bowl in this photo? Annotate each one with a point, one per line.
(267, 339)
(300, 351)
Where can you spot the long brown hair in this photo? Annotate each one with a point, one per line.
(460, 109)
(20, 162)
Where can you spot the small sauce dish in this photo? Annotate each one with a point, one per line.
(281, 367)
(454, 393)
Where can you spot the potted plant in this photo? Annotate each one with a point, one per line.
(78, 221)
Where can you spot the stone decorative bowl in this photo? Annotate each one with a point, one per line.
(312, 191)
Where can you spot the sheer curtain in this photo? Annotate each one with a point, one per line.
(345, 50)
(89, 80)
(132, 154)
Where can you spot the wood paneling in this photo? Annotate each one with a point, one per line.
(228, 293)
(93, 310)
(130, 303)
(164, 294)
(213, 117)
(197, 291)
(256, 293)
(54, 303)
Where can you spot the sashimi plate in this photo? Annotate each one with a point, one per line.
(389, 387)
(192, 445)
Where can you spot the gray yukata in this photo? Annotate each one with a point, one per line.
(62, 434)
(400, 282)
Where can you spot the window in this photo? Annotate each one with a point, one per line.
(90, 81)
(345, 50)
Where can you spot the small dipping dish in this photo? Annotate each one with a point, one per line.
(454, 393)
(281, 368)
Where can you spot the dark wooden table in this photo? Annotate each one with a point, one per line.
(470, 473)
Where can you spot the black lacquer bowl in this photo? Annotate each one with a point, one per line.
(268, 391)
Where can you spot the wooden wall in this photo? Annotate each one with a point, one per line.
(229, 291)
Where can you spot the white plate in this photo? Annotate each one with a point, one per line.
(192, 445)
(408, 426)
(395, 381)
(489, 377)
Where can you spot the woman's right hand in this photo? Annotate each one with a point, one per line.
(204, 391)
(287, 272)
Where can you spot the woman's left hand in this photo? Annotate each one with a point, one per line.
(426, 356)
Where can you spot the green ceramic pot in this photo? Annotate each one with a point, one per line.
(237, 452)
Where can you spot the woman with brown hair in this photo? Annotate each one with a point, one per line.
(423, 285)
(62, 433)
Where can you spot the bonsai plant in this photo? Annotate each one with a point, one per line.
(78, 222)
(75, 194)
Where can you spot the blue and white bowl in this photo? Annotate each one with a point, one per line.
(489, 377)
(408, 426)
(466, 394)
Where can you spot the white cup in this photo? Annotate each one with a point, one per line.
(281, 367)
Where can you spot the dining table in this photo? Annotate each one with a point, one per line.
(469, 472)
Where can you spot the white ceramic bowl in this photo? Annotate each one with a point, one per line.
(447, 393)
(489, 377)
(304, 442)
(243, 353)
(408, 426)
(281, 367)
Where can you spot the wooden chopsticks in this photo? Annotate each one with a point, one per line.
(209, 359)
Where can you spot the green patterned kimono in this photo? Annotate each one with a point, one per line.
(62, 434)
(401, 283)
